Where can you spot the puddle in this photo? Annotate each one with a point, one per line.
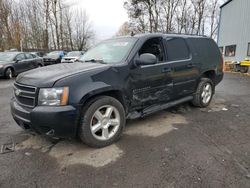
(155, 125)
(73, 152)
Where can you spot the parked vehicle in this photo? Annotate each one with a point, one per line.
(71, 57)
(53, 57)
(13, 63)
(242, 66)
(118, 79)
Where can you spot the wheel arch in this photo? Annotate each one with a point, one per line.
(112, 92)
(9, 67)
(211, 74)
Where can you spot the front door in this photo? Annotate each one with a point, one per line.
(151, 84)
(21, 63)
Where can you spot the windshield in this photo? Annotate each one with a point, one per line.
(7, 56)
(110, 51)
(74, 54)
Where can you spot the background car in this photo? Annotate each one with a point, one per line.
(53, 57)
(13, 63)
(40, 54)
(72, 56)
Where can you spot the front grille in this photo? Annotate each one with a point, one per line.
(25, 95)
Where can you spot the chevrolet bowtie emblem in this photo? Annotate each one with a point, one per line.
(17, 92)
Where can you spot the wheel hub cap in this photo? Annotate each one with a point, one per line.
(206, 93)
(105, 122)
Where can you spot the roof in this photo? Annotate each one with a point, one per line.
(229, 1)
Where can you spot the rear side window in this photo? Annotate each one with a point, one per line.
(29, 56)
(177, 49)
(33, 55)
(205, 48)
(20, 57)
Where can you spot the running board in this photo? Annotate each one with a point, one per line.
(155, 108)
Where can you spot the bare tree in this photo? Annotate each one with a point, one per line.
(182, 16)
(125, 29)
(83, 31)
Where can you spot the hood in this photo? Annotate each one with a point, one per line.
(5, 62)
(70, 57)
(47, 76)
(51, 57)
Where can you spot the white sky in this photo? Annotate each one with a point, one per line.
(106, 16)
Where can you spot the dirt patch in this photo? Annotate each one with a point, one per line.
(155, 125)
(216, 105)
(69, 153)
(72, 152)
(36, 142)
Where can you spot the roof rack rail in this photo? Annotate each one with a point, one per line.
(186, 34)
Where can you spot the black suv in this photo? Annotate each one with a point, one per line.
(118, 79)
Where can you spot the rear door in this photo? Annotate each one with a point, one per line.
(31, 61)
(184, 70)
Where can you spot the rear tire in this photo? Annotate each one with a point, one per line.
(204, 93)
(243, 69)
(102, 122)
(9, 73)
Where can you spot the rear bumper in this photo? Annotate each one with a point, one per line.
(52, 121)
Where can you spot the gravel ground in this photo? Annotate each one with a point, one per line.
(179, 147)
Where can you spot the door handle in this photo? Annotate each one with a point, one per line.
(166, 70)
(191, 65)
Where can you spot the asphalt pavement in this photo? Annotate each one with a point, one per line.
(179, 147)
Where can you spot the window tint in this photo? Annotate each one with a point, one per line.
(177, 49)
(20, 57)
(34, 56)
(29, 56)
(248, 49)
(230, 51)
(154, 46)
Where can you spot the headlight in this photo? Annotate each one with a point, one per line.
(53, 96)
(1, 66)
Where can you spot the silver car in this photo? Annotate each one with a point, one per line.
(72, 56)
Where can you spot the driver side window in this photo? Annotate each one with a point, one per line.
(20, 57)
(154, 46)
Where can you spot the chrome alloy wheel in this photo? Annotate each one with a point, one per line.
(9, 73)
(105, 122)
(206, 94)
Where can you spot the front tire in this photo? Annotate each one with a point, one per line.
(9, 73)
(204, 93)
(102, 123)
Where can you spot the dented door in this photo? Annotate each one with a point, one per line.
(151, 84)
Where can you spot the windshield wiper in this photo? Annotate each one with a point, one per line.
(95, 61)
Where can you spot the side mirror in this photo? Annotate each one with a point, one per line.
(146, 59)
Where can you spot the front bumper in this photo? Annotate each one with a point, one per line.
(59, 121)
(1, 72)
